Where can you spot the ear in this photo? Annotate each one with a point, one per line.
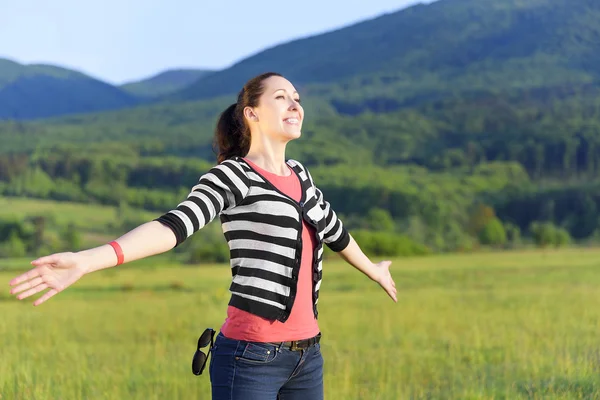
(250, 114)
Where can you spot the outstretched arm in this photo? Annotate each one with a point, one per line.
(340, 241)
(224, 186)
(379, 272)
(148, 239)
(60, 270)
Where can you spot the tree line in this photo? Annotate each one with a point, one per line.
(531, 156)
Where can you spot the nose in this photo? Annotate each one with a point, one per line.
(293, 105)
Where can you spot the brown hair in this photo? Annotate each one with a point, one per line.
(232, 133)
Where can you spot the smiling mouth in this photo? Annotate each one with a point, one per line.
(292, 121)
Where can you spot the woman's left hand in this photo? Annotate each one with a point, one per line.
(384, 278)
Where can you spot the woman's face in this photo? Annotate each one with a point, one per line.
(279, 114)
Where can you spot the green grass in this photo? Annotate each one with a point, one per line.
(97, 223)
(83, 215)
(488, 326)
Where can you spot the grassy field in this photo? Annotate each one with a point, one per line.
(489, 326)
(95, 222)
(83, 215)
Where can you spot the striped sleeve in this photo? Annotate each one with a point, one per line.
(336, 237)
(222, 188)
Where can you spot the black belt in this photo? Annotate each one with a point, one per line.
(296, 345)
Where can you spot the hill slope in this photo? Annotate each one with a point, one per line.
(38, 91)
(11, 71)
(443, 46)
(165, 82)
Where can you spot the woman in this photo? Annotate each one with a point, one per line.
(275, 221)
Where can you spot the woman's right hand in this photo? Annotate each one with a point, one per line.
(55, 272)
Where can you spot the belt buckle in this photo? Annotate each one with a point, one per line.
(294, 346)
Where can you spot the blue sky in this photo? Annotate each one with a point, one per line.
(123, 40)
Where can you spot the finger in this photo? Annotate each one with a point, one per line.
(33, 291)
(392, 292)
(393, 296)
(391, 284)
(25, 277)
(51, 259)
(45, 297)
(389, 291)
(27, 285)
(387, 286)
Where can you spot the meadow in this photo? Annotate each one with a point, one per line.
(95, 222)
(510, 325)
(82, 215)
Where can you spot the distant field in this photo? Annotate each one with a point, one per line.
(97, 223)
(489, 326)
(81, 214)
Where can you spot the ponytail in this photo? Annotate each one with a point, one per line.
(231, 135)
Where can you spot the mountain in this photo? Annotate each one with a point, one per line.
(435, 114)
(473, 80)
(420, 54)
(164, 83)
(428, 51)
(11, 71)
(39, 91)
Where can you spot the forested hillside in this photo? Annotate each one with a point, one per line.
(39, 91)
(472, 123)
(428, 51)
(164, 83)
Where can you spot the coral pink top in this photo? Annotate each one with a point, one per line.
(242, 325)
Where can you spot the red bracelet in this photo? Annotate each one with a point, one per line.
(119, 252)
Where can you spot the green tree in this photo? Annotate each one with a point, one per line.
(547, 234)
(479, 218)
(388, 244)
(13, 247)
(493, 233)
(72, 238)
(378, 219)
(513, 233)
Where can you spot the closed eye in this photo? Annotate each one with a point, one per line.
(283, 97)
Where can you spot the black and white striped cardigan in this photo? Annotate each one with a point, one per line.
(263, 229)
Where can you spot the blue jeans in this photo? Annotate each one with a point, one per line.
(241, 370)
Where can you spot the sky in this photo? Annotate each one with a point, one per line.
(124, 40)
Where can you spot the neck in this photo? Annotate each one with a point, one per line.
(268, 155)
